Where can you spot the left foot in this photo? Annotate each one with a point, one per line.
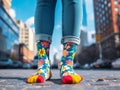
(68, 76)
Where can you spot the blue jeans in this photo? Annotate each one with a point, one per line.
(71, 18)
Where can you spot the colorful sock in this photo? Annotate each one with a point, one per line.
(68, 76)
(43, 72)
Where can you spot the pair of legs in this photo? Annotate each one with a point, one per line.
(44, 24)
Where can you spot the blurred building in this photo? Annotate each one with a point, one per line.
(83, 37)
(107, 22)
(9, 31)
(91, 37)
(6, 4)
(84, 34)
(26, 36)
(56, 60)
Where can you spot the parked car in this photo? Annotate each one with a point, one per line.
(116, 63)
(86, 66)
(6, 63)
(17, 64)
(96, 64)
(106, 64)
(76, 66)
(101, 64)
(26, 66)
(34, 63)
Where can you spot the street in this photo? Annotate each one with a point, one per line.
(14, 79)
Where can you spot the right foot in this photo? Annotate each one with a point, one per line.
(68, 76)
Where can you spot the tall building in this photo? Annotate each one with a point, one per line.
(84, 19)
(26, 36)
(6, 4)
(107, 24)
(91, 37)
(83, 34)
(32, 40)
(9, 32)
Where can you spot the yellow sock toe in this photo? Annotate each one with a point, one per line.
(76, 79)
(32, 79)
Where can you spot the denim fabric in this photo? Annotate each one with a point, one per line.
(71, 18)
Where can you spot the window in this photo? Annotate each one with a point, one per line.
(116, 2)
(116, 9)
(105, 2)
(102, 5)
(106, 8)
(109, 4)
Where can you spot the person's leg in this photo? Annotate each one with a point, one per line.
(71, 33)
(44, 19)
(44, 23)
(71, 20)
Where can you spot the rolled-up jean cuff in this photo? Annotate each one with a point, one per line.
(45, 37)
(72, 39)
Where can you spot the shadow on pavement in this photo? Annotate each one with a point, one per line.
(18, 78)
(56, 81)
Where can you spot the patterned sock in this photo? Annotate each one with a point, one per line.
(68, 76)
(43, 73)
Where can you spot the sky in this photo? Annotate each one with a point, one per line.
(24, 10)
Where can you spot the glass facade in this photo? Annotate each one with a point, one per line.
(9, 32)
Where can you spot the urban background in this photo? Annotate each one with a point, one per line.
(17, 39)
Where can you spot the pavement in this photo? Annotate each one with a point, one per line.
(14, 79)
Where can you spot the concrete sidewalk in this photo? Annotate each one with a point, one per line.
(14, 79)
